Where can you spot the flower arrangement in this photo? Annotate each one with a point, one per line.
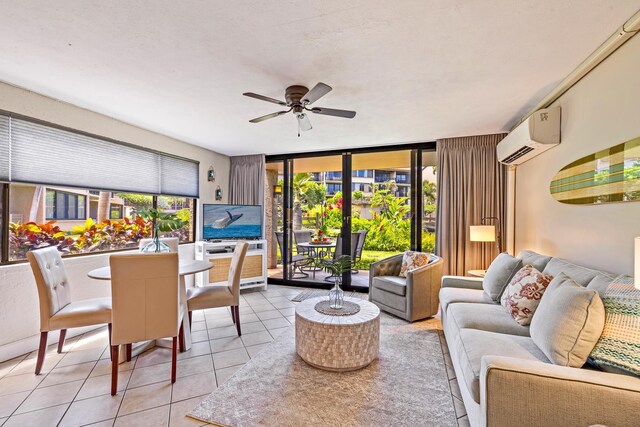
(321, 232)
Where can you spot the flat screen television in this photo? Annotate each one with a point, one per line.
(229, 222)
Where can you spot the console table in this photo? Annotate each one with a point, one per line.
(254, 270)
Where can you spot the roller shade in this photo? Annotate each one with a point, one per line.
(47, 155)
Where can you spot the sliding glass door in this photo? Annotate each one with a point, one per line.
(368, 204)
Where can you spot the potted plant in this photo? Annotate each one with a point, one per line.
(162, 222)
(337, 267)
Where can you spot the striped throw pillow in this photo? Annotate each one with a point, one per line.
(618, 349)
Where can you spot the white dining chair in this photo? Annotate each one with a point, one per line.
(227, 295)
(144, 289)
(57, 311)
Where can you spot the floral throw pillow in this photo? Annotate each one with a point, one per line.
(412, 260)
(522, 295)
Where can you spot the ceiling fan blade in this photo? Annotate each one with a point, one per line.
(264, 98)
(305, 123)
(316, 93)
(268, 116)
(333, 112)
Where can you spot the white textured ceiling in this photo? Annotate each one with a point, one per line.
(413, 70)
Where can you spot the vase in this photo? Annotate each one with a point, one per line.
(336, 295)
(156, 246)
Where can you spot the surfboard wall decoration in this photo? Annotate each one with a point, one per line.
(608, 176)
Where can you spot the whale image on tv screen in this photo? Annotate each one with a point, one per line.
(231, 222)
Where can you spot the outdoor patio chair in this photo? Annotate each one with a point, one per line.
(337, 253)
(297, 261)
(302, 236)
(358, 254)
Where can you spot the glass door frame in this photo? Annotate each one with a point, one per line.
(287, 209)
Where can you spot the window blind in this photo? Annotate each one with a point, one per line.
(48, 155)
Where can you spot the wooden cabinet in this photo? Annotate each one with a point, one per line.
(254, 269)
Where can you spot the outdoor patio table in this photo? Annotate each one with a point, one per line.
(186, 268)
(317, 252)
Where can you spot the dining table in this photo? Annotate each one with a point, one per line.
(185, 268)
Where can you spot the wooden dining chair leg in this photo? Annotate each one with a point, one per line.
(237, 315)
(63, 334)
(233, 315)
(41, 351)
(181, 338)
(174, 357)
(190, 321)
(114, 370)
(129, 352)
(109, 333)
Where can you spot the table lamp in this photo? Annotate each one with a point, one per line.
(636, 272)
(486, 233)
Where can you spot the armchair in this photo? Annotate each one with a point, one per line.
(412, 298)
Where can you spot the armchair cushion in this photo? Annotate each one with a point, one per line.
(394, 284)
(499, 274)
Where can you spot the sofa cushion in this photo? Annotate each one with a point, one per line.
(535, 259)
(412, 260)
(471, 344)
(523, 294)
(487, 317)
(455, 295)
(394, 284)
(579, 274)
(397, 302)
(499, 274)
(568, 322)
(601, 282)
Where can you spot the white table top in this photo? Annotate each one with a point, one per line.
(368, 312)
(186, 267)
(317, 245)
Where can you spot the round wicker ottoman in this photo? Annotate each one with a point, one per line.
(337, 343)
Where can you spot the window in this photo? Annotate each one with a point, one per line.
(83, 222)
(382, 176)
(333, 188)
(403, 178)
(360, 186)
(333, 176)
(363, 173)
(115, 211)
(403, 191)
(62, 205)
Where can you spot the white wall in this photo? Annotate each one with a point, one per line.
(602, 110)
(18, 296)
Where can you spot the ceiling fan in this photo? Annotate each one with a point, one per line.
(298, 98)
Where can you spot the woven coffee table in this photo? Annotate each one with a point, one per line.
(337, 343)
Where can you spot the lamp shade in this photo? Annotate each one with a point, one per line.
(636, 270)
(482, 233)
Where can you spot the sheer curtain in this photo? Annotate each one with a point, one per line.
(471, 185)
(246, 183)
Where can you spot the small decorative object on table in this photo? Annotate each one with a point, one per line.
(161, 222)
(337, 267)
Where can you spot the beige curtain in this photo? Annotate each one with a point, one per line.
(246, 180)
(471, 185)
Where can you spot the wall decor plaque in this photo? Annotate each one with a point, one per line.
(607, 176)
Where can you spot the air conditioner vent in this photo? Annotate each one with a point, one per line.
(515, 156)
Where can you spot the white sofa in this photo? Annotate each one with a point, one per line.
(506, 380)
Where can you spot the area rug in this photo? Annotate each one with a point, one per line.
(406, 386)
(312, 293)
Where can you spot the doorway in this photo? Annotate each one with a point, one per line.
(367, 203)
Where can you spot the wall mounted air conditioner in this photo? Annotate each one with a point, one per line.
(539, 132)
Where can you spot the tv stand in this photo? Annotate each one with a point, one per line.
(219, 253)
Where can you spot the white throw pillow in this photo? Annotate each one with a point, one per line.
(524, 292)
(412, 260)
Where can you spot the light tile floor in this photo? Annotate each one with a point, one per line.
(74, 387)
